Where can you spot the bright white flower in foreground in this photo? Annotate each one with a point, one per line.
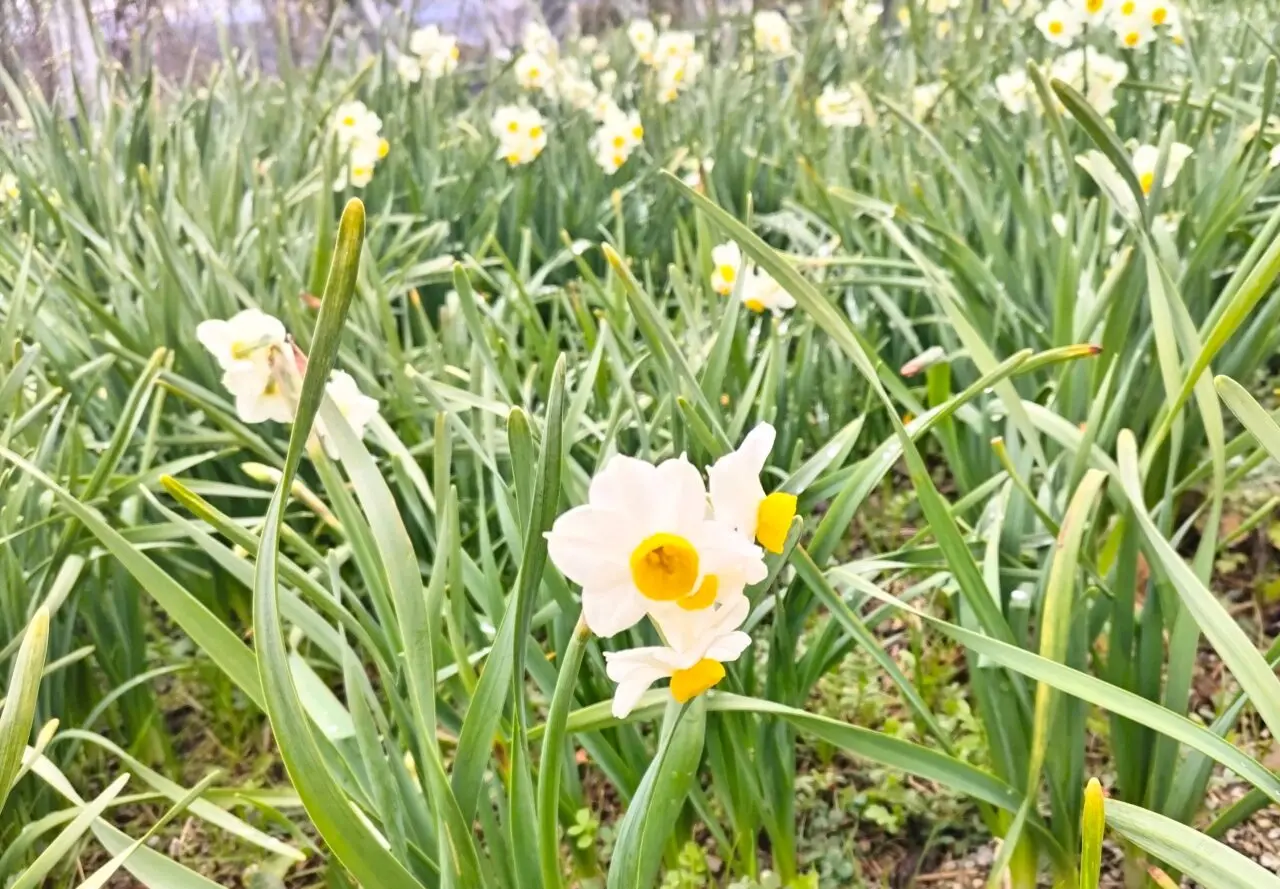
(846, 106)
(727, 262)
(738, 498)
(521, 132)
(356, 408)
(437, 52)
(1015, 91)
(246, 347)
(533, 72)
(643, 35)
(1094, 12)
(1060, 23)
(1145, 158)
(644, 539)
(408, 69)
(772, 32)
(699, 644)
(243, 338)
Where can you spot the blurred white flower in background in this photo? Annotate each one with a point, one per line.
(726, 261)
(1060, 23)
(1104, 75)
(760, 292)
(924, 97)
(772, 32)
(861, 18)
(1016, 91)
(358, 135)
(533, 71)
(9, 191)
(846, 106)
(618, 136)
(437, 52)
(1146, 158)
(521, 132)
(408, 69)
(643, 35)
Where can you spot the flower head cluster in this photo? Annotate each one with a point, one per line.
(536, 66)
(843, 106)
(1095, 74)
(672, 54)
(253, 350)
(521, 132)
(757, 289)
(432, 52)
(1134, 23)
(620, 134)
(772, 33)
(654, 541)
(358, 132)
(861, 18)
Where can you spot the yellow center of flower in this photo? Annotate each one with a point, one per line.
(619, 160)
(1055, 28)
(728, 272)
(533, 73)
(678, 75)
(664, 567)
(1094, 6)
(1132, 38)
(272, 387)
(619, 141)
(1159, 14)
(637, 132)
(513, 158)
(384, 147)
(1147, 180)
(705, 597)
(453, 53)
(513, 127)
(535, 131)
(1128, 7)
(348, 121)
(688, 684)
(360, 172)
(240, 351)
(773, 520)
(754, 305)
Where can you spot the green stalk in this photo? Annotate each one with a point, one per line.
(549, 761)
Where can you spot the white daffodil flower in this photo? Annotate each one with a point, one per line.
(1146, 157)
(1060, 23)
(738, 498)
(760, 292)
(408, 69)
(240, 338)
(644, 538)
(772, 32)
(642, 35)
(356, 408)
(699, 644)
(727, 261)
(246, 347)
(841, 106)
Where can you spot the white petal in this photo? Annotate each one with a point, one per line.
(583, 545)
(729, 648)
(215, 335)
(611, 610)
(724, 552)
(736, 491)
(628, 694)
(679, 498)
(624, 485)
(632, 664)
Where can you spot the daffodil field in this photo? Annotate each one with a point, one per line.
(489, 457)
